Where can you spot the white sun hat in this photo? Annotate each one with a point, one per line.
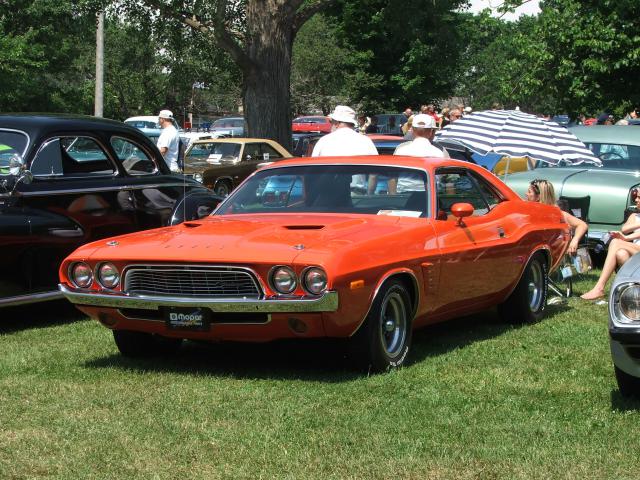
(345, 114)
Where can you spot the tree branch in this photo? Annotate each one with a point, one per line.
(216, 29)
(308, 11)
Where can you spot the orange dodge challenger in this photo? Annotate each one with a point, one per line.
(361, 248)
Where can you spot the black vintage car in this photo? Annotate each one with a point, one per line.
(68, 180)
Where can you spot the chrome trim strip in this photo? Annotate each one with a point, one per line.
(26, 299)
(212, 323)
(328, 302)
(102, 189)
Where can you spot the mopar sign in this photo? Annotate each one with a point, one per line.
(185, 319)
(194, 319)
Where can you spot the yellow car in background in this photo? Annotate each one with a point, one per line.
(221, 164)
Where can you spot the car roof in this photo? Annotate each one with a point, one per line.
(234, 140)
(147, 118)
(612, 134)
(31, 122)
(395, 160)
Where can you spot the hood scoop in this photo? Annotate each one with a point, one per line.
(304, 227)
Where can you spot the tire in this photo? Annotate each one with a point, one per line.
(141, 344)
(222, 188)
(527, 302)
(629, 385)
(383, 340)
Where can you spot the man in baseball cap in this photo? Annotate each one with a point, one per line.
(169, 140)
(424, 129)
(343, 139)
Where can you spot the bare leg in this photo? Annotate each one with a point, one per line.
(622, 256)
(609, 266)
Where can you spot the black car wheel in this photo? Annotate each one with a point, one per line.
(629, 385)
(527, 302)
(222, 188)
(384, 339)
(142, 344)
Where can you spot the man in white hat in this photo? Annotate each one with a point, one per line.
(424, 129)
(343, 139)
(169, 140)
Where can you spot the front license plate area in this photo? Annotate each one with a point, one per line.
(181, 318)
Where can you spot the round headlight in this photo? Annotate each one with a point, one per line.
(315, 280)
(81, 275)
(108, 275)
(197, 177)
(630, 302)
(283, 280)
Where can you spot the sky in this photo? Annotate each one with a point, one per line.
(529, 8)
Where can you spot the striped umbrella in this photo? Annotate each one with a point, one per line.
(515, 134)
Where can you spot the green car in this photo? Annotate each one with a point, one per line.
(603, 192)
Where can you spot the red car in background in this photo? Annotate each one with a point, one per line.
(311, 124)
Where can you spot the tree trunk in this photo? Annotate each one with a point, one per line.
(267, 81)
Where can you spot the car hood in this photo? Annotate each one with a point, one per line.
(609, 189)
(251, 239)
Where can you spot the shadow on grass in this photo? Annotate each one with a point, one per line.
(39, 315)
(619, 403)
(311, 359)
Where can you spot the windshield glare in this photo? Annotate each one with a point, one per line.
(360, 189)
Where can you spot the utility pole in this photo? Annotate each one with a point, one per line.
(98, 106)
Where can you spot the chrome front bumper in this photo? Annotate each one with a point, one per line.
(327, 302)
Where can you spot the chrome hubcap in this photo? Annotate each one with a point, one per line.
(393, 324)
(536, 286)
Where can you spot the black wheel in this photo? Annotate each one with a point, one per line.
(222, 188)
(527, 302)
(141, 344)
(383, 340)
(629, 385)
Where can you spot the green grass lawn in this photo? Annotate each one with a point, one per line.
(479, 399)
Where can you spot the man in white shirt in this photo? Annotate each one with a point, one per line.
(169, 140)
(424, 129)
(343, 140)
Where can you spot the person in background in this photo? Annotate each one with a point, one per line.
(444, 117)
(343, 139)
(624, 244)
(373, 125)
(423, 129)
(542, 191)
(406, 115)
(632, 115)
(454, 115)
(169, 141)
(467, 110)
(431, 111)
(605, 119)
(363, 123)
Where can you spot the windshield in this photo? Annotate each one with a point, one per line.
(228, 123)
(613, 156)
(142, 124)
(362, 189)
(310, 120)
(213, 152)
(11, 143)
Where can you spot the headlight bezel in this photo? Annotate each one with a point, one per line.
(305, 280)
(620, 313)
(74, 278)
(99, 275)
(273, 282)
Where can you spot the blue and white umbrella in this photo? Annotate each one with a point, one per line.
(515, 134)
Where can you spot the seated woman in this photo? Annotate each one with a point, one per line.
(623, 245)
(542, 191)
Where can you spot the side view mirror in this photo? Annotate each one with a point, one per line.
(461, 210)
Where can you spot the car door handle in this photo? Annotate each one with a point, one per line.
(501, 232)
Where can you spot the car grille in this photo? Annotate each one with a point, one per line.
(191, 281)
